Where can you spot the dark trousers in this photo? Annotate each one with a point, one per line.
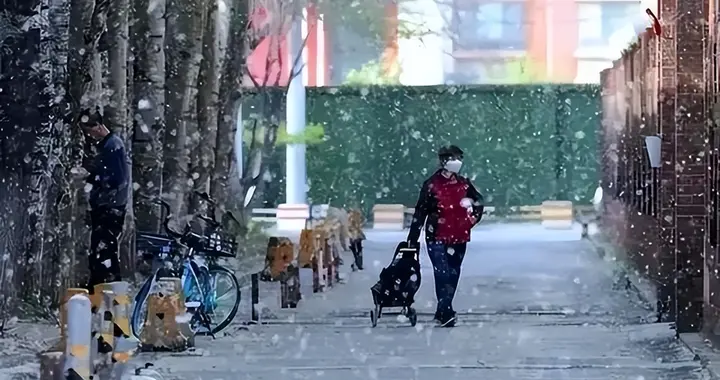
(357, 251)
(446, 260)
(104, 261)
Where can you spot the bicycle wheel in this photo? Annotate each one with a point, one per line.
(224, 299)
(139, 315)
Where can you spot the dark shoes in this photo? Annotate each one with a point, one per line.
(446, 320)
(358, 264)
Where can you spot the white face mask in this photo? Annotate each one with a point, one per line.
(453, 166)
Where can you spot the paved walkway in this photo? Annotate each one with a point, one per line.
(533, 304)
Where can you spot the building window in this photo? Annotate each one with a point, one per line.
(480, 71)
(598, 21)
(489, 25)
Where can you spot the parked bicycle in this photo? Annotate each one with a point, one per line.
(194, 259)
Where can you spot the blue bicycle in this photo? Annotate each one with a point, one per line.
(212, 292)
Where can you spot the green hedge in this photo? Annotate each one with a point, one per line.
(523, 144)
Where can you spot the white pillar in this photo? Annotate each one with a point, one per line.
(291, 215)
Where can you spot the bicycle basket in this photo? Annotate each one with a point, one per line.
(220, 246)
(149, 245)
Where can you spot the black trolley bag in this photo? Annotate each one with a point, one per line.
(398, 284)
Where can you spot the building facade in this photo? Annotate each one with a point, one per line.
(511, 41)
(431, 42)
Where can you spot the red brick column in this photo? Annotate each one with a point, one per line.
(682, 123)
(666, 114)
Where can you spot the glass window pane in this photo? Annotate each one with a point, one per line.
(490, 21)
(598, 22)
(615, 16)
(589, 22)
(491, 25)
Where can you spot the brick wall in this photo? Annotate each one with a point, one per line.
(660, 216)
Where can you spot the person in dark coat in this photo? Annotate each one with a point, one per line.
(109, 180)
(448, 207)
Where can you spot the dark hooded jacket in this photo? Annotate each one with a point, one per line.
(110, 175)
(440, 209)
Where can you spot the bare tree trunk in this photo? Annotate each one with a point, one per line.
(234, 66)
(117, 110)
(117, 33)
(149, 78)
(186, 21)
(127, 241)
(87, 26)
(214, 46)
(87, 23)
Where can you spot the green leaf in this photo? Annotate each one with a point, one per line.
(314, 133)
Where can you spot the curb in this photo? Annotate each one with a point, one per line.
(634, 283)
(705, 354)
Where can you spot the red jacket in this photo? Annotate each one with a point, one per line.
(441, 211)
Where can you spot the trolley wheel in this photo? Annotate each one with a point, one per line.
(412, 316)
(373, 317)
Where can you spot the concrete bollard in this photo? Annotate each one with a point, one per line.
(125, 344)
(305, 279)
(320, 253)
(102, 362)
(106, 336)
(280, 254)
(389, 217)
(77, 350)
(319, 270)
(254, 297)
(168, 324)
(63, 315)
(290, 288)
(557, 214)
(307, 249)
(98, 345)
(51, 365)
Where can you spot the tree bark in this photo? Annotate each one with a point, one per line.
(234, 66)
(117, 33)
(215, 42)
(149, 120)
(87, 26)
(186, 21)
(117, 110)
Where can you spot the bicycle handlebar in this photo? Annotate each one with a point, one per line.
(206, 197)
(211, 221)
(168, 217)
(183, 237)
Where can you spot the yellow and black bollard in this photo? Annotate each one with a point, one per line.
(167, 327)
